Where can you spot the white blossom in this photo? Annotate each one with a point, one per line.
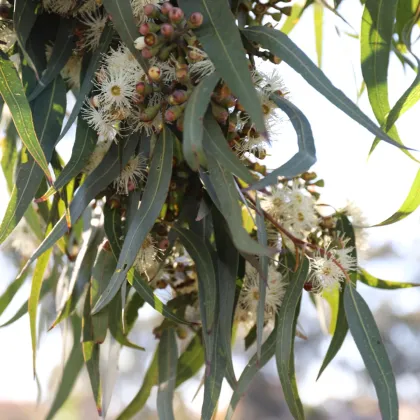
(147, 255)
(95, 24)
(99, 120)
(116, 91)
(250, 293)
(133, 172)
(326, 273)
(202, 68)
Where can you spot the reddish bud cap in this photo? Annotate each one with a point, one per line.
(166, 8)
(170, 116)
(150, 10)
(144, 28)
(196, 19)
(176, 15)
(146, 53)
(167, 30)
(140, 87)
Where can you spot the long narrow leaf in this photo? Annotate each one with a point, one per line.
(371, 347)
(168, 355)
(11, 90)
(222, 42)
(372, 281)
(153, 199)
(48, 112)
(280, 44)
(286, 331)
(193, 121)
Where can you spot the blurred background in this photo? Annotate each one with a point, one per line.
(377, 186)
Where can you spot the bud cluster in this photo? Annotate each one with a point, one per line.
(258, 11)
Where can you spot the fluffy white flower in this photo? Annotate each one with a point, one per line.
(276, 203)
(99, 120)
(122, 59)
(250, 294)
(147, 255)
(202, 68)
(358, 220)
(95, 24)
(326, 273)
(116, 89)
(138, 8)
(133, 172)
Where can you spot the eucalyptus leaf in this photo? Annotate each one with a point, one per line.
(371, 347)
(222, 42)
(281, 45)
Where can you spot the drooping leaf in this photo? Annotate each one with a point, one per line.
(262, 276)
(222, 42)
(280, 44)
(306, 155)
(286, 332)
(37, 279)
(10, 292)
(62, 51)
(102, 271)
(375, 41)
(123, 21)
(372, 281)
(48, 114)
(216, 144)
(201, 255)
(168, 355)
(140, 399)
(153, 199)
(193, 121)
(293, 19)
(114, 234)
(24, 17)
(318, 22)
(84, 145)
(228, 198)
(191, 360)
(91, 354)
(227, 269)
(97, 181)
(268, 350)
(45, 289)
(371, 347)
(89, 76)
(116, 321)
(71, 371)
(9, 154)
(410, 204)
(12, 91)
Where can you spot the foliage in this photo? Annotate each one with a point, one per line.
(166, 187)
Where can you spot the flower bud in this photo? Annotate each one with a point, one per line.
(174, 112)
(181, 73)
(195, 20)
(144, 88)
(180, 124)
(167, 30)
(151, 11)
(178, 97)
(163, 244)
(176, 15)
(154, 73)
(139, 43)
(150, 113)
(149, 52)
(166, 8)
(146, 28)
